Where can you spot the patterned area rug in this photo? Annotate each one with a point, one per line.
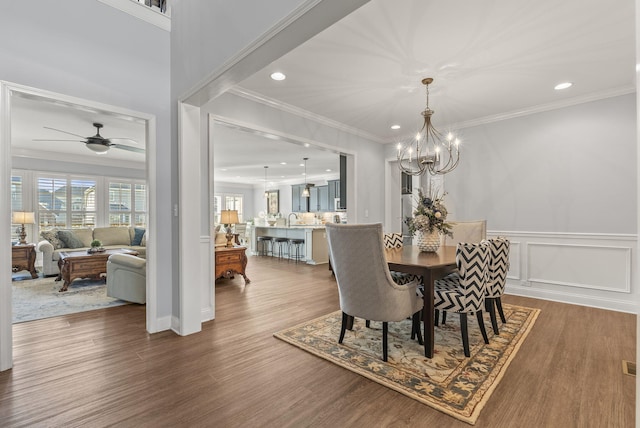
(39, 298)
(449, 382)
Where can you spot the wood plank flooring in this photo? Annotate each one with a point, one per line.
(101, 368)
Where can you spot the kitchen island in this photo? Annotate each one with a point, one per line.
(316, 249)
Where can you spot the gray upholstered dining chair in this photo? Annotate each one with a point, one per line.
(365, 285)
(498, 267)
(464, 292)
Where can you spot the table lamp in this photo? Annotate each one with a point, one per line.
(229, 217)
(22, 218)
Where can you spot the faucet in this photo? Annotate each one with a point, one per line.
(289, 218)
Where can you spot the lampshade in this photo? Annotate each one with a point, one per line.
(22, 217)
(229, 217)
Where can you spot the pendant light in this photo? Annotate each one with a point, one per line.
(305, 192)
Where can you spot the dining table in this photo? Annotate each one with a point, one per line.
(430, 266)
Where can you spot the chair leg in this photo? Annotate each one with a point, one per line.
(444, 317)
(385, 328)
(416, 327)
(343, 327)
(368, 323)
(489, 306)
(350, 321)
(437, 315)
(465, 333)
(499, 305)
(481, 324)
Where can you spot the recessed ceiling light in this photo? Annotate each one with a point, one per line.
(327, 170)
(283, 163)
(307, 144)
(563, 85)
(278, 76)
(395, 126)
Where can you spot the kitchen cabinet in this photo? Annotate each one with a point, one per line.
(298, 203)
(334, 192)
(319, 199)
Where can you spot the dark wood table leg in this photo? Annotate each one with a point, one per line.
(64, 275)
(428, 313)
(32, 263)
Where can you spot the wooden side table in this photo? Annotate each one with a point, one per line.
(23, 257)
(230, 261)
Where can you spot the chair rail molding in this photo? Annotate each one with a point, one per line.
(590, 269)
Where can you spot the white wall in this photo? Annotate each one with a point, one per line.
(562, 186)
(566, 170)
(249, 207)
(86, 49)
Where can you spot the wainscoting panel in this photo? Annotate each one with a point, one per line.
(586, 266)
(595, 270)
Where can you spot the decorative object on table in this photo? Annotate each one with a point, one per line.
(22, 218)
(429, 151)
(229, 218)
(429, 222)
(449, 382)
(96, 247)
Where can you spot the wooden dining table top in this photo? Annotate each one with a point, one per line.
(410, 255)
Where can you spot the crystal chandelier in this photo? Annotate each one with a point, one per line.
(266, 194)
(305, 191)
(430, 151)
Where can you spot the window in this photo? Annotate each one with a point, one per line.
(227, 202)
(16, 202)
(66, 203)
(127, 207)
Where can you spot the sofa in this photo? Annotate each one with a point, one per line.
(127, 278)
(55, 241)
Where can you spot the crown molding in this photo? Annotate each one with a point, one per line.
(596, 96)
(143, 12)
(305, 114)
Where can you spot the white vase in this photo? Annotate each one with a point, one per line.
(428, 242)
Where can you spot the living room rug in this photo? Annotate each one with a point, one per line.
(34, 299)
(450, 382)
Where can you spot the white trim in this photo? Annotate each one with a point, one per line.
(143, 12)
(623, 304)
(6, 328)
(297, 111)
(545, 107)
(626, 251)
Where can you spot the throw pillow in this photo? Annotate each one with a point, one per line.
(137, 237)
(51, 236)
(69, 239)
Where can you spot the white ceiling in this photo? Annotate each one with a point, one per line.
(489, 59)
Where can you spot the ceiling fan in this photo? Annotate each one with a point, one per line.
(98, 143)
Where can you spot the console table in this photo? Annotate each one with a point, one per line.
(23, 257)
(230, 261)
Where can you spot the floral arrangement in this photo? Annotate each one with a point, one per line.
(430, 215)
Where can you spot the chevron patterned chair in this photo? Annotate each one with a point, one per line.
(394, 240)
(365, 285)
(465, 292)
(498, 268)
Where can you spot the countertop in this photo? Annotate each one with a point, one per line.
(294, 227)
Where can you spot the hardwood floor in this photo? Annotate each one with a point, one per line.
(101, 368)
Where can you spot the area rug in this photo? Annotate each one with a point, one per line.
(39, 298)
(450, 382)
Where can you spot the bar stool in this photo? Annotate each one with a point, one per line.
(264, 245)
(297, 252)
(281, 242)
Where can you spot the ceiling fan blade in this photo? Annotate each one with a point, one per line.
(46, 139)
(128, 148)
(128, 140)
(60, 130)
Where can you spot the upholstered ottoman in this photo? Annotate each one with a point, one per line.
(127, 278)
